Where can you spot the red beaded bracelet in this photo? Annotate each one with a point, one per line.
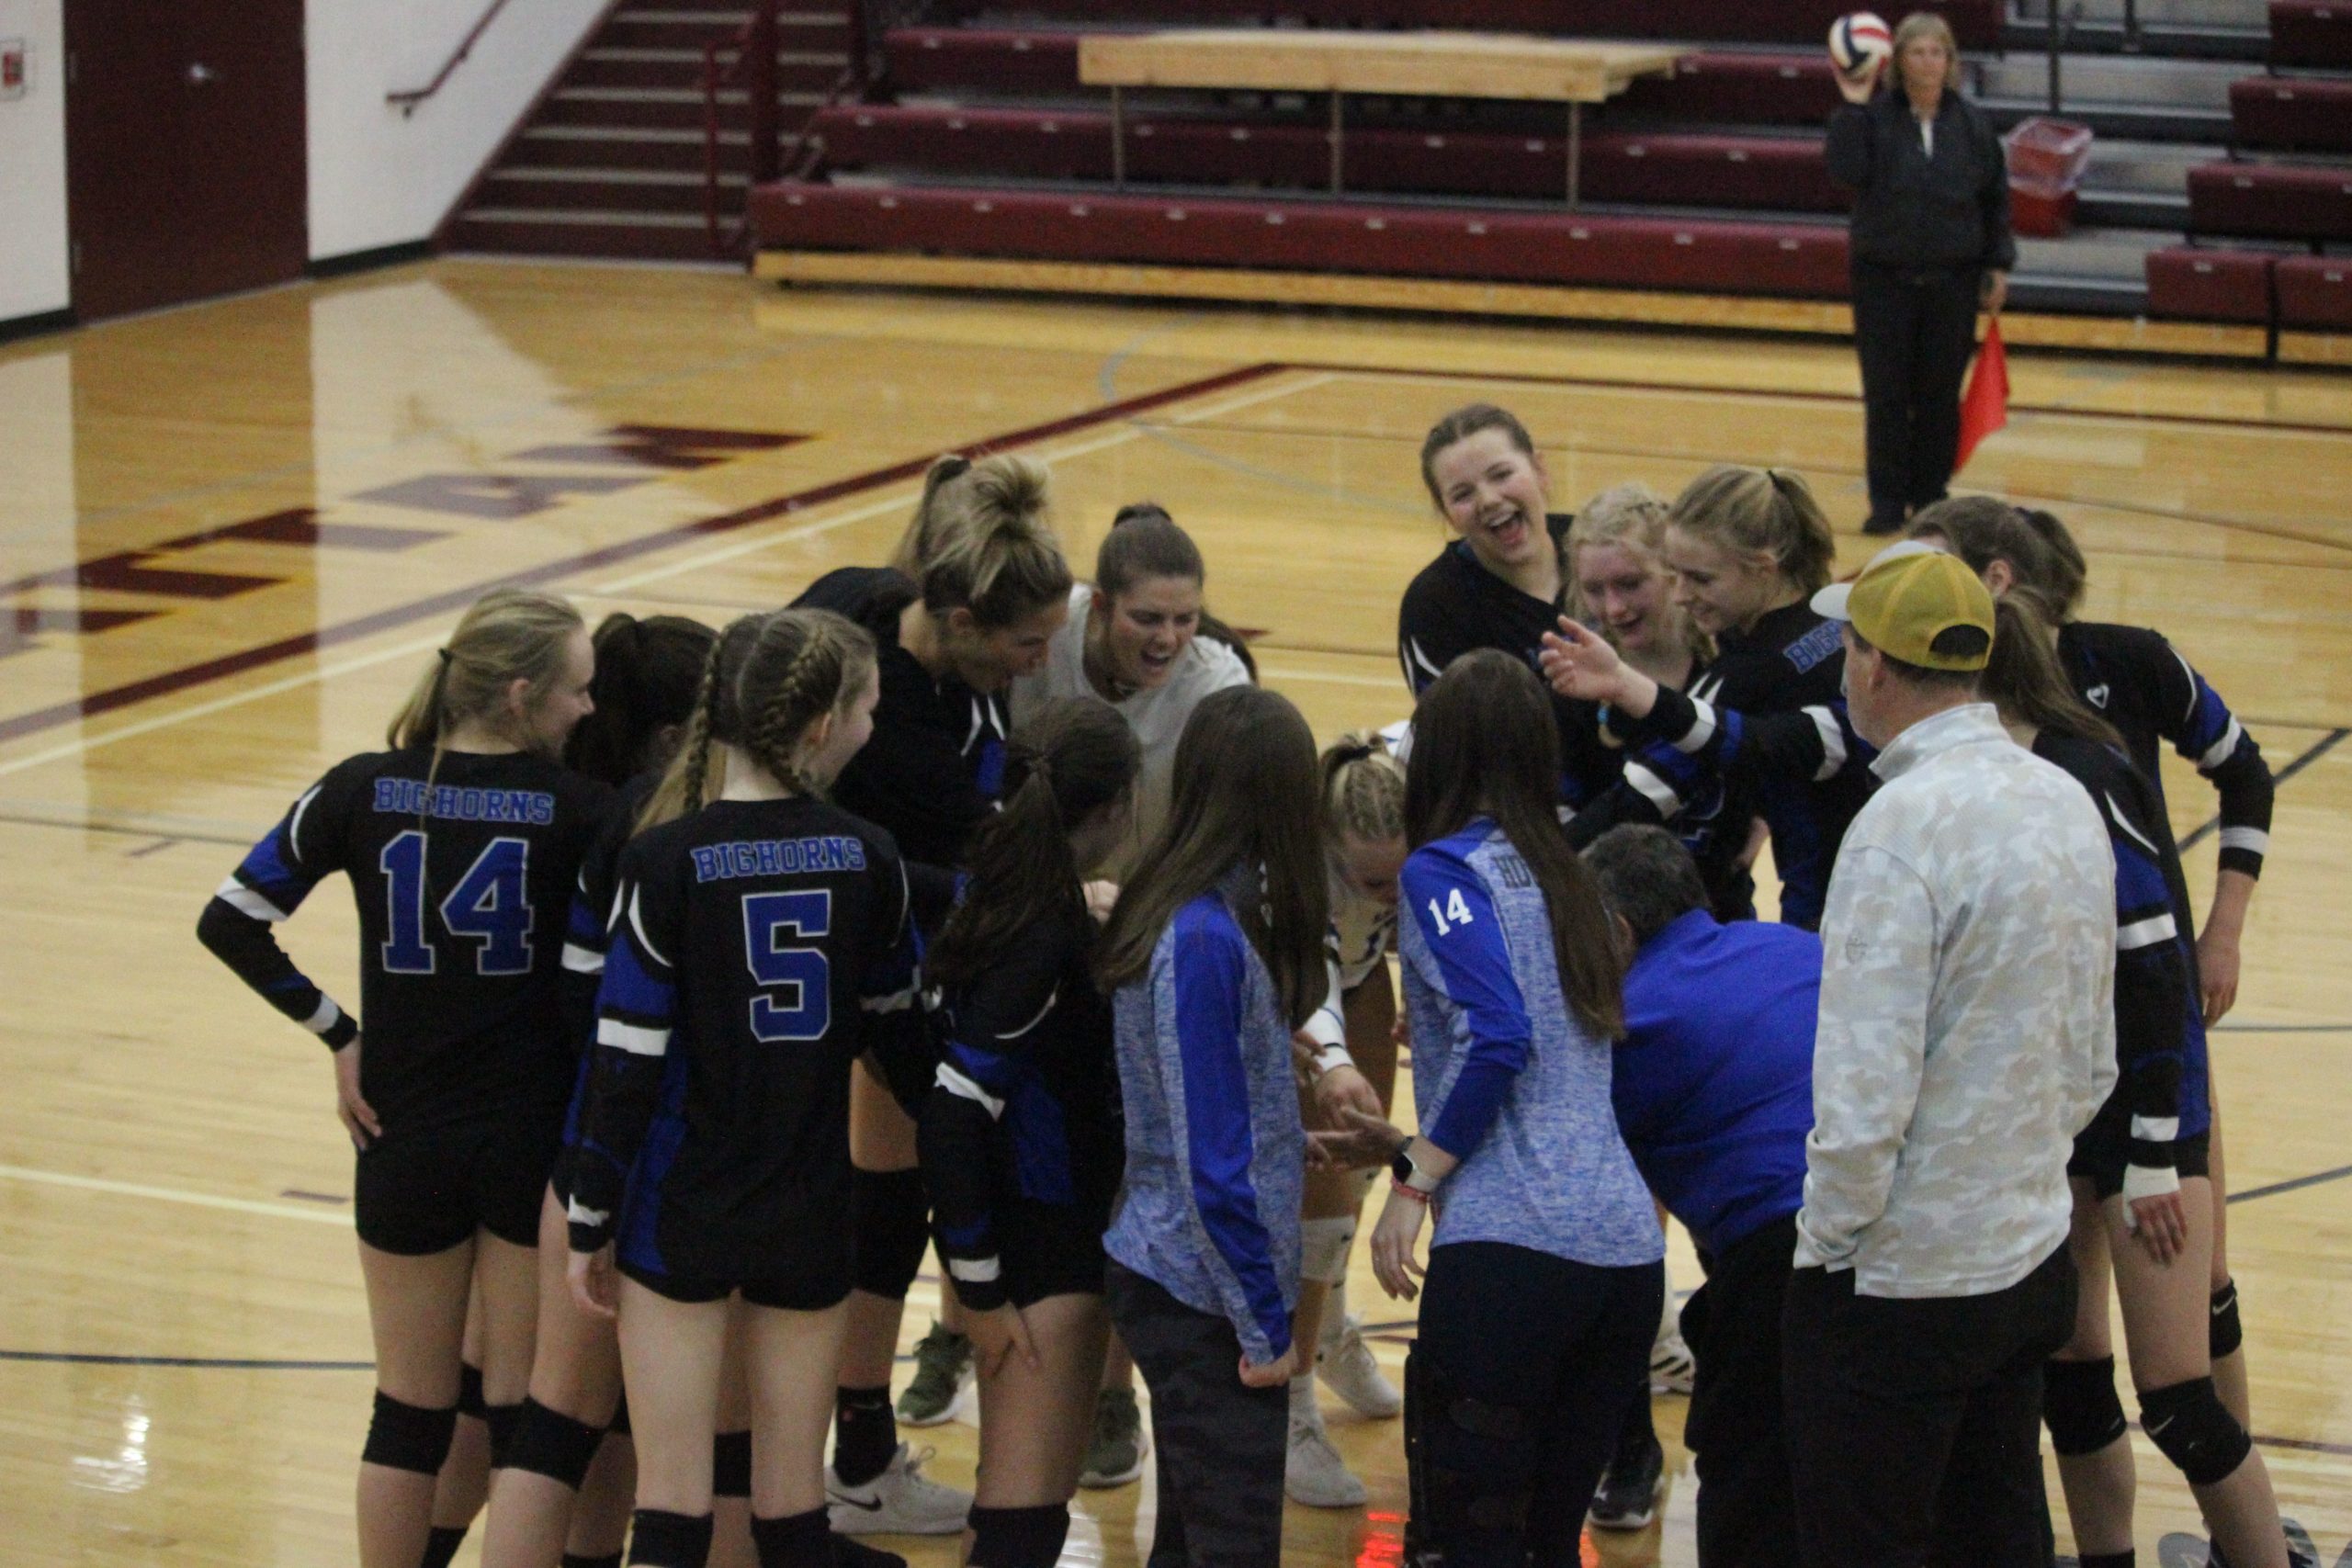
(1415, 1193)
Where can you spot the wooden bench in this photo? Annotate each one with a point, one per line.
(1431, 64)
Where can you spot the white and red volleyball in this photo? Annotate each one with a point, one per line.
(1859, 41)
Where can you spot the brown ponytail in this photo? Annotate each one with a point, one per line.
(2023, 679)
(1069, 759)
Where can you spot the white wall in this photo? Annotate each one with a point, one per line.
(380, 179)
(33, 278)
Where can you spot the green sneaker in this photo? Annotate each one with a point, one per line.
(1116, 1455)
(943, 1367)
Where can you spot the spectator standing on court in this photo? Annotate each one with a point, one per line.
(1965, 1037)
(1930, 243)
(1713, 1088)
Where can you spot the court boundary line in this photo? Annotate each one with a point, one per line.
(262, 655)
(1618, 384)
(2109, 503)
(2296, 764)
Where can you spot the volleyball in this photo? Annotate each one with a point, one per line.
(1858, 41)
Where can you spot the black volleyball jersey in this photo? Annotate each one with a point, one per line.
(1025, 1105)
(935, 768)
(2139, 683)
(2159, 1029)
(753, 945)
(463, 876)
(1455, 606)
(1772, 710)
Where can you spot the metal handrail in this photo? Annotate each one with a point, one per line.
(755, 42)
(2061, 28)
(410, 97)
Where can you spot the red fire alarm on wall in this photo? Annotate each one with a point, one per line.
(12, 68)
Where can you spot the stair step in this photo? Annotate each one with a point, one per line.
(679, 108)
(632, 236)
(807, 71)
(606, 189)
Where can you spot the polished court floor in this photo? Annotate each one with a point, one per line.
(230, 534)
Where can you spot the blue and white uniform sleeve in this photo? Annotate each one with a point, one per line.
(2154, 1005)
(987, 1070)
(1815, 743)
(636, 1013)
(267, 886)
(1456, 914)
(2201, 728)
(1215, 1144)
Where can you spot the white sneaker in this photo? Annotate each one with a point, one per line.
(1671, 1366)
(899, 1501)
(1345, 1364)
(1314, 1475)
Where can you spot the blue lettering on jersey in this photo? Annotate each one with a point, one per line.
(779, 857)
(1814, 646)
(413, 797)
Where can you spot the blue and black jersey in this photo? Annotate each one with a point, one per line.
(586, 933)
(1713, 1085)
(763, 945)
(1215, 1155)
(1769, 711)
(935, 768)
(462, 871)
(2159, 1024)
(1023, 1108)
(1513, 1085)
(2139, 683)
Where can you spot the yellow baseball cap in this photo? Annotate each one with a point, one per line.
(1917, 604)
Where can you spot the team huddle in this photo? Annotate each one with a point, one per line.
(711, 979)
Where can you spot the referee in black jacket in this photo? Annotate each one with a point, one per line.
(1930, 243)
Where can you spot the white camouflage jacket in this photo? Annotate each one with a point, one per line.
(1967, 1030)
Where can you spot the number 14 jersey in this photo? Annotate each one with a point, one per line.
(462, 874)
(755, 949)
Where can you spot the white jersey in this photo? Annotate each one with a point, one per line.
(1362, 932)
(1157, 716)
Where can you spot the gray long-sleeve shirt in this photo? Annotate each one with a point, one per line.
(1966, 1031)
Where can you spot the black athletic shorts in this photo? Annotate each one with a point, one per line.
(812, 1292)
(427, 1191)
(2103, 1149)
(1051, 1249)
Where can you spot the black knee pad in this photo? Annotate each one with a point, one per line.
(2080, 1406)
(547, 1442)
(502, 1420)
(889, 1214)
(2227, 1333)
(2192, 1427)
(441, 1546)
(409, 1437)
(793, 1541)
(1019, 1538)
(730, 1464)
(1446, 1502)
(470, 1400)
(619, 1426)
(660, 1540)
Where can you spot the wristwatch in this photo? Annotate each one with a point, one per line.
(1408, 1174)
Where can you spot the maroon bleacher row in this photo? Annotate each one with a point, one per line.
(1976, 23)
(1558, 248)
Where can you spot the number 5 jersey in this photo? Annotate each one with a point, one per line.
(463, 876)
(755, 949)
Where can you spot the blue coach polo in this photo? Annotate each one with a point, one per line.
(1713, 1081)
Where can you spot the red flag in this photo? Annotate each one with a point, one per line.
(1985, 407)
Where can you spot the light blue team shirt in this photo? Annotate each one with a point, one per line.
(1511, 1084)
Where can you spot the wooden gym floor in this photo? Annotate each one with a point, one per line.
(232, 533)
